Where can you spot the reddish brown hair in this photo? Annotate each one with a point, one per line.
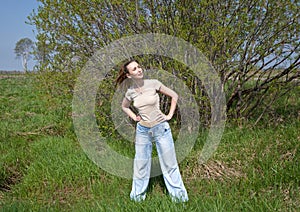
(123, 72)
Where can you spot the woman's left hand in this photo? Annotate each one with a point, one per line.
(168, 117)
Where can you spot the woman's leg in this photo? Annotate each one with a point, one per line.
(142, 164)
(169, 165)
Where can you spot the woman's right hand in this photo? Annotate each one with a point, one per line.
(137, 118)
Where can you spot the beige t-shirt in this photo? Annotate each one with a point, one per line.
(147, 102)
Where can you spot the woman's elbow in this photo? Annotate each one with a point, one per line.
(124, 108)
(175, 97)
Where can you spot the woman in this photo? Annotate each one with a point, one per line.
(151, 126)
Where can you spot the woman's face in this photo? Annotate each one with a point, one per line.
(135, 71)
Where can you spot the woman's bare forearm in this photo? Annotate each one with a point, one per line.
(169, 92)
(128, 111)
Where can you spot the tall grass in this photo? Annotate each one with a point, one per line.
(256, 168)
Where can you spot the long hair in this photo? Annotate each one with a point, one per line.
(123, 72)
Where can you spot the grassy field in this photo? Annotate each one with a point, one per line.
(42, 166)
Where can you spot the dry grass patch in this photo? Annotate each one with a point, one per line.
(13, 177)
(214, 169)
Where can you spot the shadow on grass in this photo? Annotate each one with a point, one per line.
(157, 184)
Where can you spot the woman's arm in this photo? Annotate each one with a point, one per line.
(169, 92)
(128, 111)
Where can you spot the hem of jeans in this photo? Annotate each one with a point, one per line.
(180, 199)
(138, 199)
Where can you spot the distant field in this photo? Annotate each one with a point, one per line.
(42, 166)
(11, 74)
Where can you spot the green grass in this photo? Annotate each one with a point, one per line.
(42, 166)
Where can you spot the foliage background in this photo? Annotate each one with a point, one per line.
(253, 45)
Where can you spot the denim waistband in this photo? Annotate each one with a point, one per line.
(157, 130)
(139, 124)
(150, 124)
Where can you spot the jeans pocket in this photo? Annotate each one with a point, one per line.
(164, 129)
(167, 127)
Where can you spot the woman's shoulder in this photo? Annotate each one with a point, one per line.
(151, 80)
(130, 90)
(130, 94)
(153, 83)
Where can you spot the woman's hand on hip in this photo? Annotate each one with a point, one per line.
(168, 117)
(137, 118)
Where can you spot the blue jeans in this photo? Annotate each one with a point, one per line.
(162, 136)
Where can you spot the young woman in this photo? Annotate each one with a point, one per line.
(152, 125)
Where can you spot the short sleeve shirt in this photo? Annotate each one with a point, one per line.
(147, 101)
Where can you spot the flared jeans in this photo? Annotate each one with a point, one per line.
(161, 135)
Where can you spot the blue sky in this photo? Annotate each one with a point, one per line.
(13, 14)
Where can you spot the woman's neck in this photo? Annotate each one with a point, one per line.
(138, 82)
